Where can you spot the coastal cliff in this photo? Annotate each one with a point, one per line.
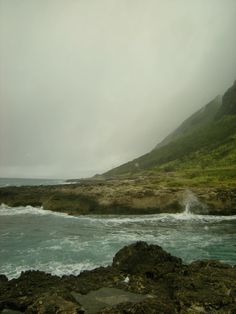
(134, 196)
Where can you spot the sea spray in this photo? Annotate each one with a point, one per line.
(192, 204)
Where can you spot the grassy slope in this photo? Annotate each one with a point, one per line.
(197, 153)
(195, 122)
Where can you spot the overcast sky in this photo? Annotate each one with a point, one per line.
(86, 85)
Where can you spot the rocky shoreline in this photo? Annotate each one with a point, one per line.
(138, 196)
(142, 279)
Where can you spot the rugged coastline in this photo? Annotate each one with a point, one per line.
(142, 279)
(122, 196)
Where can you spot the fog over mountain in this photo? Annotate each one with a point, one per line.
(88, 85)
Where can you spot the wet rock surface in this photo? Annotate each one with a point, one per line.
(142, 279)
(96, 300)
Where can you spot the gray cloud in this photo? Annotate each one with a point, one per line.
(88, 85)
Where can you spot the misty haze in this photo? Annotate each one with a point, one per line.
(117, 149)
(88, 85)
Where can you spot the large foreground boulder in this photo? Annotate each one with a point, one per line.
(143, 258)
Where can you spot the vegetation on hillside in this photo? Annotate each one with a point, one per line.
(201, 151)
(195, 122)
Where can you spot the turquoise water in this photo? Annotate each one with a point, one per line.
(33, 238)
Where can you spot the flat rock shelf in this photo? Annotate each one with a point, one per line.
(122, 197)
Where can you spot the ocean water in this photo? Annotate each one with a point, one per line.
(33, 238)
(4, 182)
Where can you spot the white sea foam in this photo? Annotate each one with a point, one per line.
(158, 217)
(23, 210)
(114, 219)
(54, 268)
(63, 246)
(11, 211)
(203, 218)
(70, 243)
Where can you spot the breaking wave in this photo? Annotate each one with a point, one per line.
(6, 210)
(34, 238)
(54, 268)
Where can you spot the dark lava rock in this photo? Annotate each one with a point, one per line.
(6, 311)
(143, 258)
(3, 279)
(54, 303)
(142, 279)
(149, 306)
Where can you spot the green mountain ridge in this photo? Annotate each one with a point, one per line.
(229, 102)
(205, 143)
(198, 120)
